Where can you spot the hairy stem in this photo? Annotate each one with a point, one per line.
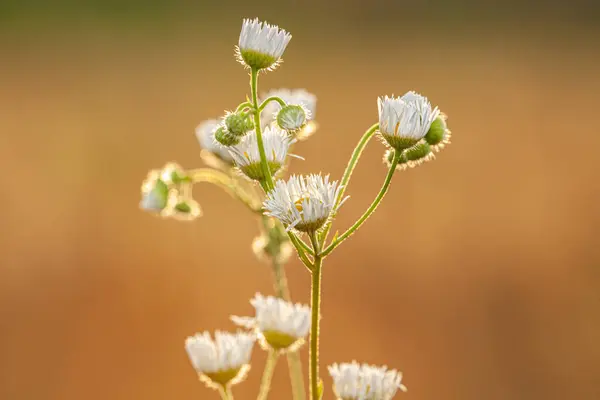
(265, 384)
(370, 210)
(315, 305)
(367, 136)
(261, 147)
(225, 392)
(270, 99)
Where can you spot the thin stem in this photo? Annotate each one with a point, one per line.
(265, 384)
(370, 210)
(303, 257)
(367, 136)
(261, 147)
(315, 311)
(270, 99)
(245, 104)
(225, 182)
(225, 393)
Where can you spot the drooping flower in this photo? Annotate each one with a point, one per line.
(295, 97)
(403, 121)
(261, 45)
(303, 203)
(352, 381)
(280, 325)
(246, 154)
(221, 362)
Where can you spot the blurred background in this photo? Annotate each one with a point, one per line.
(478, 277)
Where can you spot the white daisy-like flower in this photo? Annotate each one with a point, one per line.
(221, 362)
(205, 133)
(261, 45)
(279, 324)
(303, 203)
(403, 121)
(352, 381)
(247, 156)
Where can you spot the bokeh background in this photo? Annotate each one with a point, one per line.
(478, 277)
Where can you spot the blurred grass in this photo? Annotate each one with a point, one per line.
(477, 277)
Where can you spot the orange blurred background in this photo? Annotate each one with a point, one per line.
(478, 276)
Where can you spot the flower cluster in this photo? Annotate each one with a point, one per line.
(167, 193)
(248, 149)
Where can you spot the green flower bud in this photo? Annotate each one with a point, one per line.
(436, 132)
(226, 138)
(186, 210)
(292, 118)
(417, 152)
(238, 124)
(155, 194)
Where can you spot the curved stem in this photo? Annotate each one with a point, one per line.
(367, 136)
(303, 257)
(315, 305)
(224, 181)
(370, 210)
(270, 99)
(245, 104)
(265, 384)
(261, 147)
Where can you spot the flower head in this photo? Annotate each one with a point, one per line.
(403, 121)
(261, 45)
(223, 361)
(294, 97)
(247, 156)
(280, 325)
(303, 203)
(205, 133)
(352, 381)
(167, 193)
(439, 134)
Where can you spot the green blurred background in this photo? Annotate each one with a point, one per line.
(477, 277)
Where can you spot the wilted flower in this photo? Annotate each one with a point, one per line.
(247, 156)
(221, 362)
(352, 381)
(280, 325)
(403, 121)
(303, 203)
(261, 45)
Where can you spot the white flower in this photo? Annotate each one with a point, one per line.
(247, 156)
(304, 203)
(223, 361)
(261, 45)
(403, 121)
(352, 381)
(205, 132)
(298, 97)
(281, 325)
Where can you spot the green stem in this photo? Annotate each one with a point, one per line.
(265, 384)
(293, 359)
(303, 257)
(315, 311)
(367, 136)
(270, 99)
(370, 210)
(261, 147)
(245, 104)
(225, 182)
